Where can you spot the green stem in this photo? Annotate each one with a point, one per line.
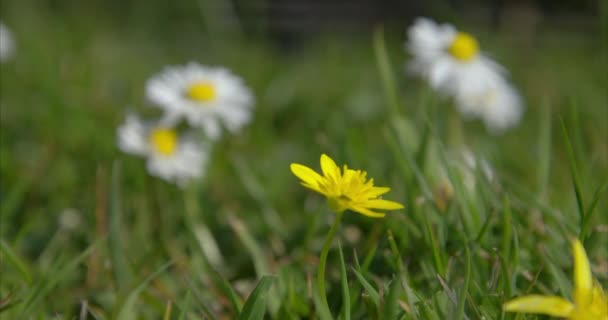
(323, 261)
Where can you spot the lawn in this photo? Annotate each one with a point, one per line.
(86, 233)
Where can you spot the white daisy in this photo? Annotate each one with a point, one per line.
(169, 156)
(7, 44)
(452, 63)
(208, 97)
(499, 106)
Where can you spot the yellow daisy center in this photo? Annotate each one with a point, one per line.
(164, 141)
(464, 47)
(201, 91)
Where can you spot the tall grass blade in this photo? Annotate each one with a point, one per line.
(344, 284)
(255, 306)
(373, 293)
(120, 266)
(575, 175)
(9, 255)
(127, 309)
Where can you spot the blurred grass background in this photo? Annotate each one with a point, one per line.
(80, 66)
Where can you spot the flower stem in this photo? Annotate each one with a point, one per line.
(323, 261)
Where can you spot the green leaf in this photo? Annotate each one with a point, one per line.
(467, 279)
(386, 71)
(587, 218)
(185, 306)
(255, 306)
(223, 283)
(120, 266)
(127, 310)
(390, 302)
(344, 283)
(11, 256)
(373, 293)
(575, 178)
(54, 276)
(544, 149)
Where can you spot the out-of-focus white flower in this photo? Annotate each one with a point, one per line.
(499, 106)
(7, 44)
(207, 97)
(169, 156)
(452, 63)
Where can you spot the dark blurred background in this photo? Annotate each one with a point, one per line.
(291, 21)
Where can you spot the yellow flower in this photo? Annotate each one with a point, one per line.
(590, 302)
(346, 189)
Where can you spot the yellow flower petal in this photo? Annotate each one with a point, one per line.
(329, 168)
(383, 204)
(312, 187)
(549, 305)
(583, 280)
(378, 191)
(306, 174)
(367, 212)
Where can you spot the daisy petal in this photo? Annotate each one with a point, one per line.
(549, 305)
(306, 174)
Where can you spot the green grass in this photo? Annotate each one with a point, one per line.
(141, 245)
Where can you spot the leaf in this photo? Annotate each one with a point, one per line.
(223, 283)
(575, 177)
(185, 306)
(120, 266)
(373, 293)
(587, 218)
(126, 311)
(384, 68)
(344, 283)
(55, 275)
(390, 303)
(467, 279)
(255, 306)
(12, 257)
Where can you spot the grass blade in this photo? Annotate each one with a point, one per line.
(344, 282)
(223, 283)
(126, 311)
(55, 276)
(467, 279)
(185, 306)
(587, 218)
(373, 293)
(120, 266)
(575, 177)
(390, 303)
(11, 256)
(255, 306)
(385, 70)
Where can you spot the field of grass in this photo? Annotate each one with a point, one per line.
(87, 234)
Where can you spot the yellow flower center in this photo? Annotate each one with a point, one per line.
(464, 47)
(164, 141)
(201, 91)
